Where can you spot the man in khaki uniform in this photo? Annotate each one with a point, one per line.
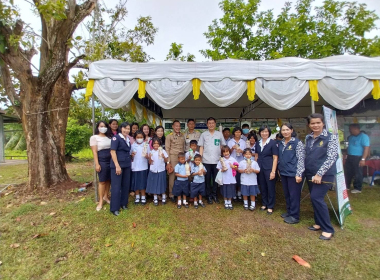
(191, 134)
(174, 144)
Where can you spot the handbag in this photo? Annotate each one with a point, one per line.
(219, 178)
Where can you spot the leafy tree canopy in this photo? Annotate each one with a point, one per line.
(300, 30)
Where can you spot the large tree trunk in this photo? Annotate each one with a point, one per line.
(46, 161)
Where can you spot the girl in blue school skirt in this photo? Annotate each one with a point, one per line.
(157, 174)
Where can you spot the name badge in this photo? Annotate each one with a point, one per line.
(217, 142)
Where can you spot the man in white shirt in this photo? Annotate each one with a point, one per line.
(210, 144)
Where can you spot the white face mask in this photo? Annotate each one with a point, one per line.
(139, 140)
(103, 129)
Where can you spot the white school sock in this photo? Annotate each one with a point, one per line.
(155, 197)
(163, 196)
(253, 203)
(184, 201)
(179, 202)
(229, 202)
(137, 196)
(239, 193)
(226, 201)
(195, 202)
(143, 197)
(200, 201)
(245, 202)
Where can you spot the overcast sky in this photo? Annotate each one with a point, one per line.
(185, 21)
(180, 21)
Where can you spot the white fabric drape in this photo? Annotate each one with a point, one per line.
(337, 67)
(139, 111)
(225, 92)
(168, 94)
(115, 94)
(344, 94)
(281, 95)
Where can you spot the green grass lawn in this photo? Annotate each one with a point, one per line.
(67, 239)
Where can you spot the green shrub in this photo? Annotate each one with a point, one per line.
(77, 137)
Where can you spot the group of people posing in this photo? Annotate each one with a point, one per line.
(132, 158)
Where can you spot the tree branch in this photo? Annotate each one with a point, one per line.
(6, 80)
(74, 62)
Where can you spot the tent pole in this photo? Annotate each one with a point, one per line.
(93, 132)
(312, 106)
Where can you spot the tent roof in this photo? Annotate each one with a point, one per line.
(337, 67)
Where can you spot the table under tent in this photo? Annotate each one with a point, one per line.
(234, 89)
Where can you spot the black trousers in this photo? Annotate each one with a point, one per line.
(211, 186)
(120, 185)
(268, 188)
(317, 195)
(292, 192)
(351, 170)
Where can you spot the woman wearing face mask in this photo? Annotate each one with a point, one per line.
(100, 145)
(120, 169)
(291, 165)
(266, 155)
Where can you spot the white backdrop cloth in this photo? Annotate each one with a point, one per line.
(336, 67)
(281, 95)
(344, 94)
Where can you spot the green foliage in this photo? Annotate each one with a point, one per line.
(335, 27)
(77, 136)
(175, 53)
(52, 9)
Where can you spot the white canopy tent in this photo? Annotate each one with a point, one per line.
(275, 88)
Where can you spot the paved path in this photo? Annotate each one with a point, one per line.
(13, 162)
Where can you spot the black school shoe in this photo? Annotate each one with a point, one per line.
(322, 237)
(313, 228)
(124, 207)
(226, 207)
(202, 204)
(245, 207)
(116, 213)
(284, 215)
(179, 206)
(143, 202)
(137, 201)
(173, 199)
(186, 205)
(209, 200)
(291, 220)
(195, 206)
(155, 202)
(216, 200)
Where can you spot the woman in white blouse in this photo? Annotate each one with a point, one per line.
(100, 145)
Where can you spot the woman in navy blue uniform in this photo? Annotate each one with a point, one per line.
(120, 169)
(266, 155)
(291, 165)
(100, 144)
(321, 155)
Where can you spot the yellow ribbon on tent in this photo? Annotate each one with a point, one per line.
(145, 114)
(89, 88)
(251, 90)
(376, 89)
(313, 86)
(196, 88)
(141, 91)
(133, 107)
(356, 120)
(160, 122)
(154, 120)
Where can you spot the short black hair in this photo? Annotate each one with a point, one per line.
(226, 128)
(226, 148)
(176, 121)
(124, 124)
(245, 125)
(181, 154)
(194, 142)
(315, 116)
(237, 129)
(250, 135)
(190, 120)
(113, 120)
(288, 125)
(211, 119)
(247, 150)
(197, 156)
(263, 127)
(156, 139)
(355, 125)
(138, 132)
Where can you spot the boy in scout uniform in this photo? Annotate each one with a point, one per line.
(174, 144)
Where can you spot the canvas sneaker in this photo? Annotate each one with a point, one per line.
(355, 191)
